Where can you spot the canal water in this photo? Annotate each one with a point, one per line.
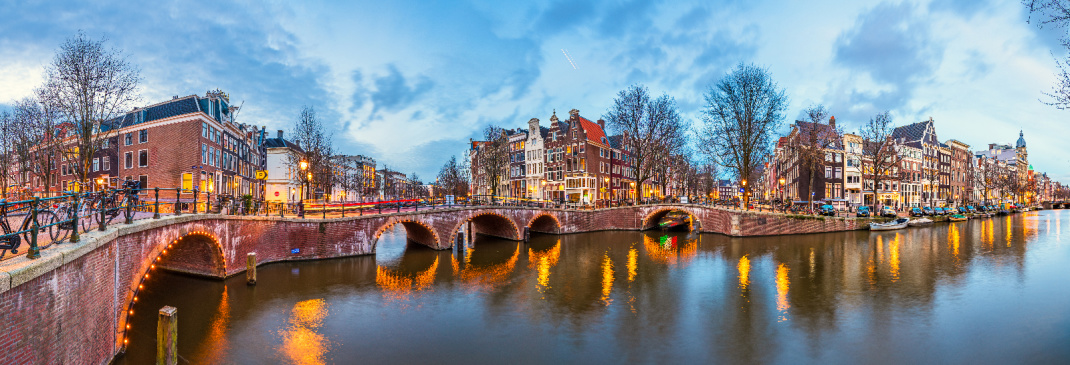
(984, 291)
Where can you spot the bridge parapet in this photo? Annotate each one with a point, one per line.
(92, 285)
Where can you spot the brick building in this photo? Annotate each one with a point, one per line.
(578, 159)
(186, 142)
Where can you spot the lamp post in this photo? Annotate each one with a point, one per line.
(304, 167)
(782, 193)
(744, 199)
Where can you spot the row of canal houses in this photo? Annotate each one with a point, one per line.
(930, 172)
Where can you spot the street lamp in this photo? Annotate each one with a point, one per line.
(304, 166)
(782, 193)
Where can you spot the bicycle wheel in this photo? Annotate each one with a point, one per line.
(112, 210)
(47, 231)
(86, 216)
(61, 227)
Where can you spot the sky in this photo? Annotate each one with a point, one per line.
(410, 82)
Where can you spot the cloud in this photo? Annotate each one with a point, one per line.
(392, 92)
(891, 47)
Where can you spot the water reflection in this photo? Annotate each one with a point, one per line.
(301, 343)
(925, 294)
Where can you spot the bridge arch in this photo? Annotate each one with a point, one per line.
(195, 253)
(651, 219)
(415, 231)
(490, 224)
(544, 223)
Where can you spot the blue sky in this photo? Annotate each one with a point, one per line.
(409, 82)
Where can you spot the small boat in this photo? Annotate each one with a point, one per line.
(957, 218)
(887, 226)
(920, 222)
(674, 220)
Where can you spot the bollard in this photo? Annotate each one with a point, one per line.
(74, 220)
(178, 201)
(34, 252)
(195, 201)
(167, 336)
(156, 215)
(250, 268)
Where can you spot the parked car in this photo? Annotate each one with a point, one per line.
(940, 211)
(887, 211)
(862, 212)
(916, 212)
(962, 210)
(828, 210)
(928, 211)
(971, 209)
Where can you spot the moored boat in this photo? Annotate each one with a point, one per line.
(920, 222)
(887, 226)
(674, 220)
(957, 218)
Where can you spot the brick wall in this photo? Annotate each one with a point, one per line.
(71, 305)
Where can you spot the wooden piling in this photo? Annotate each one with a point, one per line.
(250, 268)
(167, 336)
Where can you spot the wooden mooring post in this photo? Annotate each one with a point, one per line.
(250, 268)
(167, 336)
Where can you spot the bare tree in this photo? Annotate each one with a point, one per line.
(90, 87)
(38, 139)
(318, 151)
(987, 177)
(452, 179)
(743, 112)
(8, 130)
(880, 155)
(492, 157)
(653, 131)
(811, 141)
(1055, 13)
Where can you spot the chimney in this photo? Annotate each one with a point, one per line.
(602, 124)
(572, 114)
(280, 134)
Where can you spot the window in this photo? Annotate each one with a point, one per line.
(104, 143)
(143, 136)
(204, 181)
(828, 172)
(129, 138)
(839, 172)
(107, 163)
(144, 180)
(187, 181)
(129, 160)
(204, 154)
(96, 164)
(142, 158)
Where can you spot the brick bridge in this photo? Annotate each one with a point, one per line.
(71, 306)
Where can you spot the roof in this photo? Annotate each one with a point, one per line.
(1021, 140)
(167, 109)
(543, 132)
(279, 143)
(916, 132)
(594, 131)
(615, 141)
(805, 128)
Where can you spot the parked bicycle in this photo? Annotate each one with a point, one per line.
(44, 222)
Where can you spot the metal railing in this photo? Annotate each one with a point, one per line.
(38, 223)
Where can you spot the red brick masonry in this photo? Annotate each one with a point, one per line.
(71, 305)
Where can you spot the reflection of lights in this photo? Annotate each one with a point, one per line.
(1007, 228)
(953, 238)
(782, 284)
(489, 276)
(301, 343)
(217, 331)
(894, 258)
(668, 251)
(633, 264)
(543, 262)
(607, 278)
(744, 272)
(399, 285)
